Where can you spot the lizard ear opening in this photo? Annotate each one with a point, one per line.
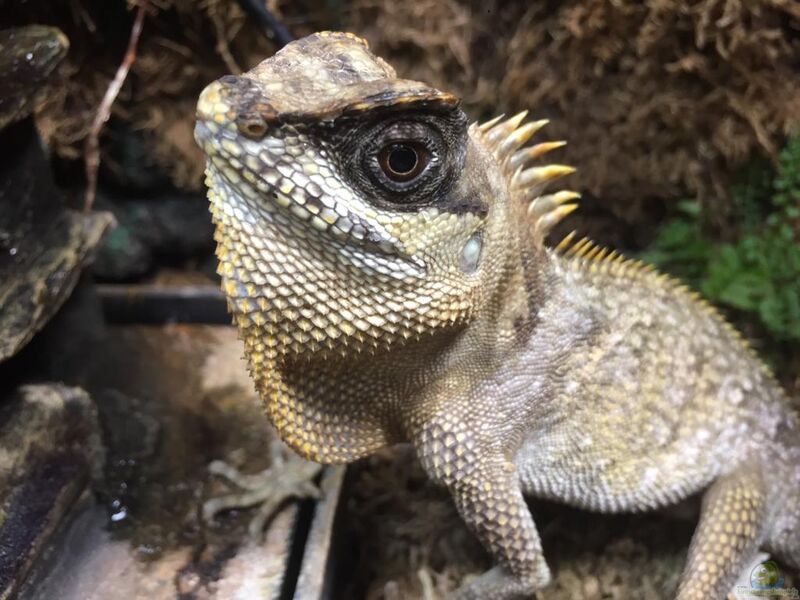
(471, 254)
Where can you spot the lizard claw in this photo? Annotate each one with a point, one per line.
(287, 478)
(499, 584)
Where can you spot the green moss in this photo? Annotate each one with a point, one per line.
(756, 270)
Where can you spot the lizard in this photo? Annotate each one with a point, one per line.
(386, 264)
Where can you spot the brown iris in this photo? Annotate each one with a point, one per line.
(403, 161)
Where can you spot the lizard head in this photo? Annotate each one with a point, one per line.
(355, 210)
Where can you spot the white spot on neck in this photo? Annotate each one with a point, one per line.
(471, 254)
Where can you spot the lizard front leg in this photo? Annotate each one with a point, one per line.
(732, 524)
(487, 493)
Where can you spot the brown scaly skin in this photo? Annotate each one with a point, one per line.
(431, 311)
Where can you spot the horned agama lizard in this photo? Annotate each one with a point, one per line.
(386, 265)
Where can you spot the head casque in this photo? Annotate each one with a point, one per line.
(357, 214)
(351, 206)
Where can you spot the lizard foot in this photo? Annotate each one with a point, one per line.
(288, 477)
(499, 584)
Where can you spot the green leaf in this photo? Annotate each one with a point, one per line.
(759, 270)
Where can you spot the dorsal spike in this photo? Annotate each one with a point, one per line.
(489, 124)
(497, 133)
(576, 248)
(566, 241)
(544, 204)
(535, 176)
(505, 138)
(516, 138)
(593, 253)
(548, 221)
(522, 157)
(584, 249)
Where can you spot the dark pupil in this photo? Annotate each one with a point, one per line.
(402, 159)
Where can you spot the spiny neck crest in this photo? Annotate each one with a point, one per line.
(506, 140)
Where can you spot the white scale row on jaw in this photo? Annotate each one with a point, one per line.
(248, 209)
(247, 159)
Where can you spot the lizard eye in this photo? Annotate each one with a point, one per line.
(404, 157)
(403, 161)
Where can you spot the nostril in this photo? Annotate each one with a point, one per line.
(253, 127)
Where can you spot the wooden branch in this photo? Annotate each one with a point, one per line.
(92, 146)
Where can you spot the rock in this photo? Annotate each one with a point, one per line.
(49, 452)
(170, 400)
(28, 56)
(174, 229)
(43, 245)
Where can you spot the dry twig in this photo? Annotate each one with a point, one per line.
(92, 147)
